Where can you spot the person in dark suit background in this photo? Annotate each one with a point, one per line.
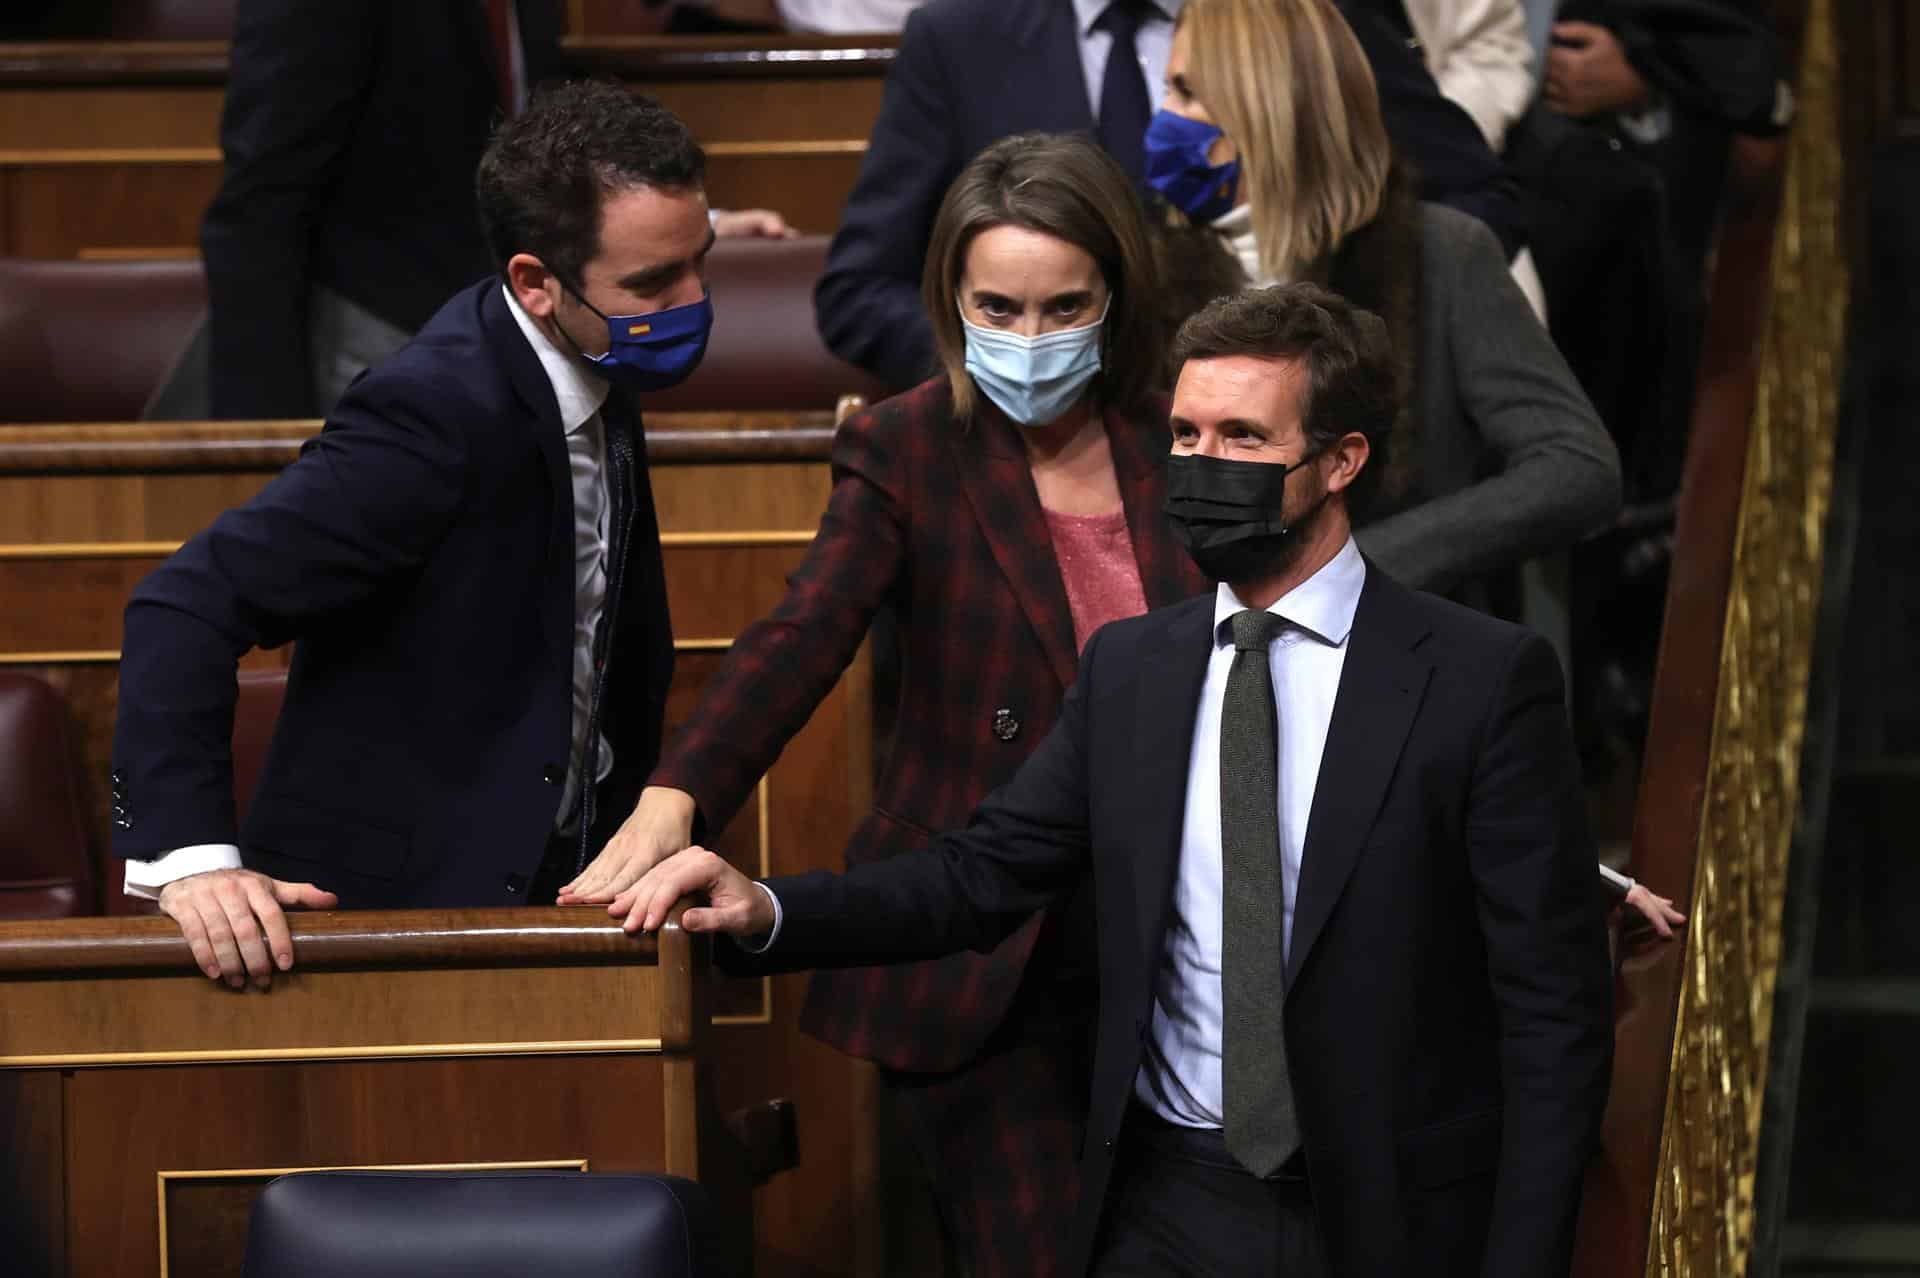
(469, 560)
(345, 218)
(1354, 988)
(972, 71)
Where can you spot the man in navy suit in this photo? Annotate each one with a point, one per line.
(1354, 991)
(468, 559)
(970, 72)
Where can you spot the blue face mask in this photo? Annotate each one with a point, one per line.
(1176, 166)
(1034, 379)
(653, 352)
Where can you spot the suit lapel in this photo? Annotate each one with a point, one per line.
(1167, 574)
(1173, 666)
(999, 486)
(1381, 685)
(535, 391)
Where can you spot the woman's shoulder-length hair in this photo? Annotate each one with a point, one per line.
(1288, 82)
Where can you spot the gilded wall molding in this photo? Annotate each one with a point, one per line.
(1702, 1224)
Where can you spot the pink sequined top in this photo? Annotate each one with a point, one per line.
(1097, 564)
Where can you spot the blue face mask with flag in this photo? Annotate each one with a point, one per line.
(653, 352)
(1033, 379)
(1177, 167)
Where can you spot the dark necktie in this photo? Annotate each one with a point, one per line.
(1260, 1128)
(619, 477)
(1124, 105)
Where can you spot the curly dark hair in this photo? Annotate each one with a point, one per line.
(1352, 381)
(543, 178)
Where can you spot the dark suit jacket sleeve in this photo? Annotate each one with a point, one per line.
(1455, 165)
(361, 508)
(299, 70)
(780, 668)
(1025, 845)
(1532, 862)
(867, 304)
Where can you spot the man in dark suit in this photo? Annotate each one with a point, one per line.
(970, 72)
(351, 130)
(1354, 993)
(468, 557)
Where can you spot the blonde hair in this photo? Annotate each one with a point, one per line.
(1287, 81)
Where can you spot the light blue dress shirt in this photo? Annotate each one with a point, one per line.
(1151, 43)
(1180, 1077)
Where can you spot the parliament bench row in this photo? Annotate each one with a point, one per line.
(49, 865)
(91, 341)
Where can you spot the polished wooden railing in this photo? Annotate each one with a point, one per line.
(348, 939)
(78, 448)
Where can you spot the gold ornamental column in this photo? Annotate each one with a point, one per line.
(1702, 1224)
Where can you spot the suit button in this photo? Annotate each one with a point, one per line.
(552, 774)
(1006, 724)
(516, 883)
(1108, 1144)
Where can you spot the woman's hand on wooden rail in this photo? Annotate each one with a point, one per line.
(734, 904)
(660, 825)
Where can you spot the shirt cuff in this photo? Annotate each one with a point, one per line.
(146, 878)
(774, 934)
(1619, 882)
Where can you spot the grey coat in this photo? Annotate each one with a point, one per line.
(1511, 461)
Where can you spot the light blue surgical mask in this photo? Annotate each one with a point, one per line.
(1034, 379)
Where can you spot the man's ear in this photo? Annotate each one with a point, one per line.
(533, 284)
(1349, 454)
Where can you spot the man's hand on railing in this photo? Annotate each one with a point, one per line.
(660, 825)
(736, 905)
(234, 922)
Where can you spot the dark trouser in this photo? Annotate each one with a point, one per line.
(1179, 1204)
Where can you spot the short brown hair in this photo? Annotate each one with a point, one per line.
(1351, 379)
(543, 183)
(1065, 186)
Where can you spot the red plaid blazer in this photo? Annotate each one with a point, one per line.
(939, 522)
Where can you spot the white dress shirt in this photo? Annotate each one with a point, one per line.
(579, 394)
(1480, 57)
(1180, 1076)
(1151, 43)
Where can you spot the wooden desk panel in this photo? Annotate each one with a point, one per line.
(107, 203)
(113, 149)
(126, 115)
(119, 497)
(137, 1168)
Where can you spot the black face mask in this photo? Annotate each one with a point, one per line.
(1228, 514)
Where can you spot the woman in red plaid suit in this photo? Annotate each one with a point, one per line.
(1000, 513)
